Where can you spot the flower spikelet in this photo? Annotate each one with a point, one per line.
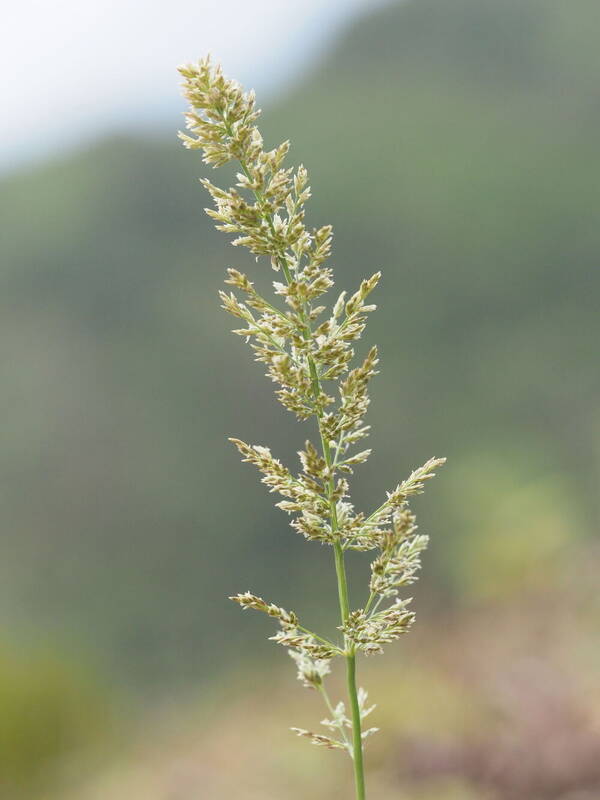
(291, 634)
(370, 633)
(319, 739)
(399, 560)
(311, 671)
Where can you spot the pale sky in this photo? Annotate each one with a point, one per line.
(72, 70)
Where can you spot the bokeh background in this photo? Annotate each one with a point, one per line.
(452, 143)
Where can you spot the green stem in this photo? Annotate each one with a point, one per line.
(357, 750)
(342, 582)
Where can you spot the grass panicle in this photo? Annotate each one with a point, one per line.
(308, 349)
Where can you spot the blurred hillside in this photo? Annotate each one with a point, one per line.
(453, 143)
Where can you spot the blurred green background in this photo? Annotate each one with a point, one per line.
(454, 145)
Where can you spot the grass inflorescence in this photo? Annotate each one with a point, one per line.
(308, 351)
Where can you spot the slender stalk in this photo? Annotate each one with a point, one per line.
(357, 745)
(359, 775)
(340, 567)
(340, 570)
(342, 583)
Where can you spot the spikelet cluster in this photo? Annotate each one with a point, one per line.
(307, 347)
(339, 725)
